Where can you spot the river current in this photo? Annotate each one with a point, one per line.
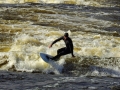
(26, 29)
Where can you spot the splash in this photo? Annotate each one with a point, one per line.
(24, 56)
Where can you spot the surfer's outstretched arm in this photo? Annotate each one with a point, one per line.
(55, 41)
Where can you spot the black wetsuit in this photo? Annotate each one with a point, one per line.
(65, 50)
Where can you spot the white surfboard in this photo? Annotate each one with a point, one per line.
(54, 64)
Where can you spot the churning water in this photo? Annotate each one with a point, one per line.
(29, 28)
(26, 29)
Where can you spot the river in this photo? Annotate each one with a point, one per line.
(26, 29)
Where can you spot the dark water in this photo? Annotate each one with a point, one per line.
(37, 81)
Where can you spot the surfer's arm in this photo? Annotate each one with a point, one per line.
(70, 46)
(56, 41)
(71, 50)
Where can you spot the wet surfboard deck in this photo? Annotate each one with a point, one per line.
(45, 57)
(53, 63)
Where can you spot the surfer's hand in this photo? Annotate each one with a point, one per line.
(73, 56)
(50, 46)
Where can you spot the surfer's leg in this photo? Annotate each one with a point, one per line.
(61, 52)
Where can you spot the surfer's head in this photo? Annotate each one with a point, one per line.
(66, 35)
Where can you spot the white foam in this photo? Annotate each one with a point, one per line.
(83, 2)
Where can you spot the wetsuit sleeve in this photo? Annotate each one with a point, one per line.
(71, 47)
(71, 50)
(57, 40)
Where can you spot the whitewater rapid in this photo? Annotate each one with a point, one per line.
(28, 29)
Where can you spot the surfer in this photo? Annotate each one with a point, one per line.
(65, 50)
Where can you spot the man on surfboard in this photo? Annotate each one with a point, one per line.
(65, 50)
